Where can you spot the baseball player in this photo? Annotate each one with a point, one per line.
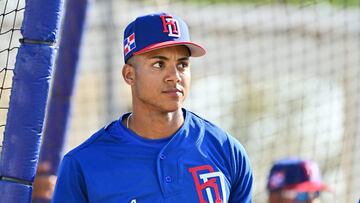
(294, 180)
(159, 152)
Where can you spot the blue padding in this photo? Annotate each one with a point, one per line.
(26, 111)
(28, 98)
(41, 20)
(14, 192)
(63, 85)
(40, 200)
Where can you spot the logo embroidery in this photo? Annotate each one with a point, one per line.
(277, 179)
(209, 183)
(129, 43)
(171, 26)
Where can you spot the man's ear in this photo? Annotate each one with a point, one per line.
(128, 73)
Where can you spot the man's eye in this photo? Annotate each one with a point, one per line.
(183, 65)
(158, 65)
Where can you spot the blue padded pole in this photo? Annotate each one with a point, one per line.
(63, 85)
(28, 98)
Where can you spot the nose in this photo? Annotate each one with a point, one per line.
(174, 75)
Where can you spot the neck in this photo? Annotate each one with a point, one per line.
(155, 125)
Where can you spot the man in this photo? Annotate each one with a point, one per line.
(294, 180)
(159, 152)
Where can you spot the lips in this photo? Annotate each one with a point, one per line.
(174, 92)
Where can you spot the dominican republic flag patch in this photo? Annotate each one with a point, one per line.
(129, 43)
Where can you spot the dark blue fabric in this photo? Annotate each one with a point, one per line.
(116, 165)
(149, 30)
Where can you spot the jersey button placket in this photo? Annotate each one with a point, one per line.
(168, 179)
(162, 156)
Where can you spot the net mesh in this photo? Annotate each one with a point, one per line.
(11, 15)
(281, 76)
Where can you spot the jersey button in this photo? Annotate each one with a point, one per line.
(168, 179)
(162, 156)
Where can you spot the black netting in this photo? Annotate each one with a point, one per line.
(11, 15)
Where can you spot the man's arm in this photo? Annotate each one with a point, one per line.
(70, 186)
(241, 190)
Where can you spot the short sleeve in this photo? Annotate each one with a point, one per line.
(70, 186)
(241, 189)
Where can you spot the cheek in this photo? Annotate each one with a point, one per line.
(144, 79)
(186, 79)
(186, 82)
(147, 86)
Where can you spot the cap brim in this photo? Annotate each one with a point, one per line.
(309, 186)
(195, 49)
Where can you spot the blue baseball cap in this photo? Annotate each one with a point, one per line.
(155, 31)
(295, 174)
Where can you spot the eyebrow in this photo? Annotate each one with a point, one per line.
(166, 59)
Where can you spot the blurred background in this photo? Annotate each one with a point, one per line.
(282, 76)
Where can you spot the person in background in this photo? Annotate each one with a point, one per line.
(295, 180)
(44, 185)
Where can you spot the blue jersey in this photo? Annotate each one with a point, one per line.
(200, 163)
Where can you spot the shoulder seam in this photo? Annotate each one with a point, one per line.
(88, 142)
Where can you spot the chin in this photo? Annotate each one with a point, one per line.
(172, 108)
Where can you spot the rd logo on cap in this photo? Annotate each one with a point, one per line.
(170, 25)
